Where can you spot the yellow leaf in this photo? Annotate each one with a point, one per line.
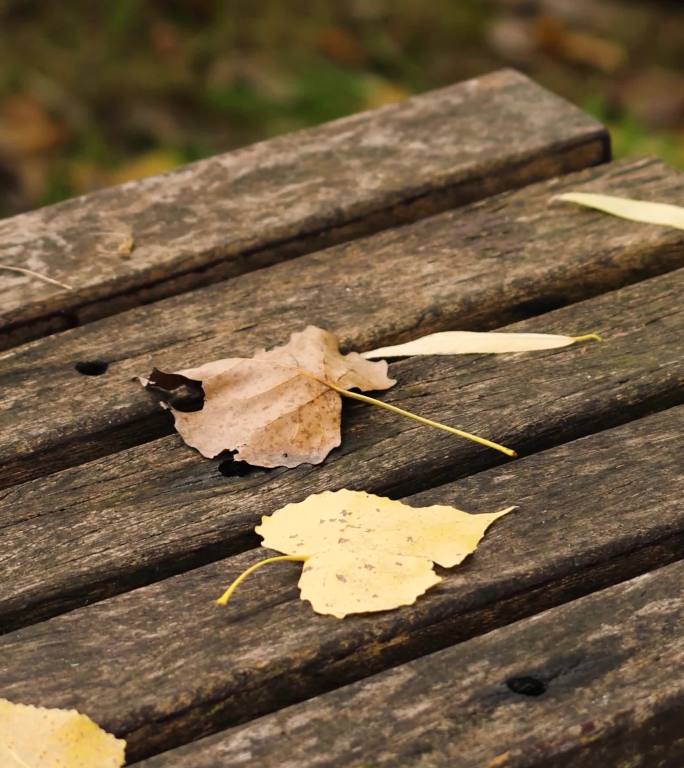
(664, 214)
(343, 581)
(35, 737)
(471, 343)
(368, 553)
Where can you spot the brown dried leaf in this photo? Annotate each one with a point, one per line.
(274, 409)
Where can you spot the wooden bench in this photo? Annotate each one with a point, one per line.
(559, 643)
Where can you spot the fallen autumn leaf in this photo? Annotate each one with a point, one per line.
(473, 343)
(364, 553)
(36, 737)
(281, 407)
(276, 408)
(663, 214)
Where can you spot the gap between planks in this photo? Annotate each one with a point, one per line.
(163, 664)
(474, 268)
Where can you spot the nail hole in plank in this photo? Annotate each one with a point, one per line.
(526, 685)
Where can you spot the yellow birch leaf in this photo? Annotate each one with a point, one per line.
(343, 581)
(36, 737)
(474, 343)
(663, 214)
(365, 553)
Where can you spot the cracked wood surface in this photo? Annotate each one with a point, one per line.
(163, 664)
(485, 265)
(156, 509)
(612, 664)
(300, 192)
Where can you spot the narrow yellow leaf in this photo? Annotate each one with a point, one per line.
(473, 343)
(36, 737)
(664, 214)
(366, 553)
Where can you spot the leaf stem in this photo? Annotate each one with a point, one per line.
(422, 419)
(225, 597)
(402, 412)
(587, 337)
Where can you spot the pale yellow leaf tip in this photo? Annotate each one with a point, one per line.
(37, 737)
(502, 512)
(587, 337)
(662, 214)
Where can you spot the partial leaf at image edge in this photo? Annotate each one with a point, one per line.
(662, 214)
(38, 737)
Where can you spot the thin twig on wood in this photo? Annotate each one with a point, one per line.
(31, 273)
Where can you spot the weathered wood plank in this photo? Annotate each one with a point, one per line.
(163, 664)
(608, 671)
(156, 509)
(274, 200)
(494, 262)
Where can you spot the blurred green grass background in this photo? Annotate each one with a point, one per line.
(92, 94)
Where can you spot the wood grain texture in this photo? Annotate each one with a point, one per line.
(163, 664)
(612, 664)
(482, 266)
(296, 193)
(156, 509)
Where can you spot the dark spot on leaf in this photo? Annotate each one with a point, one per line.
(526, 685)
(92, 367)
(171, 381)
(180, 392)
(189, 403)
